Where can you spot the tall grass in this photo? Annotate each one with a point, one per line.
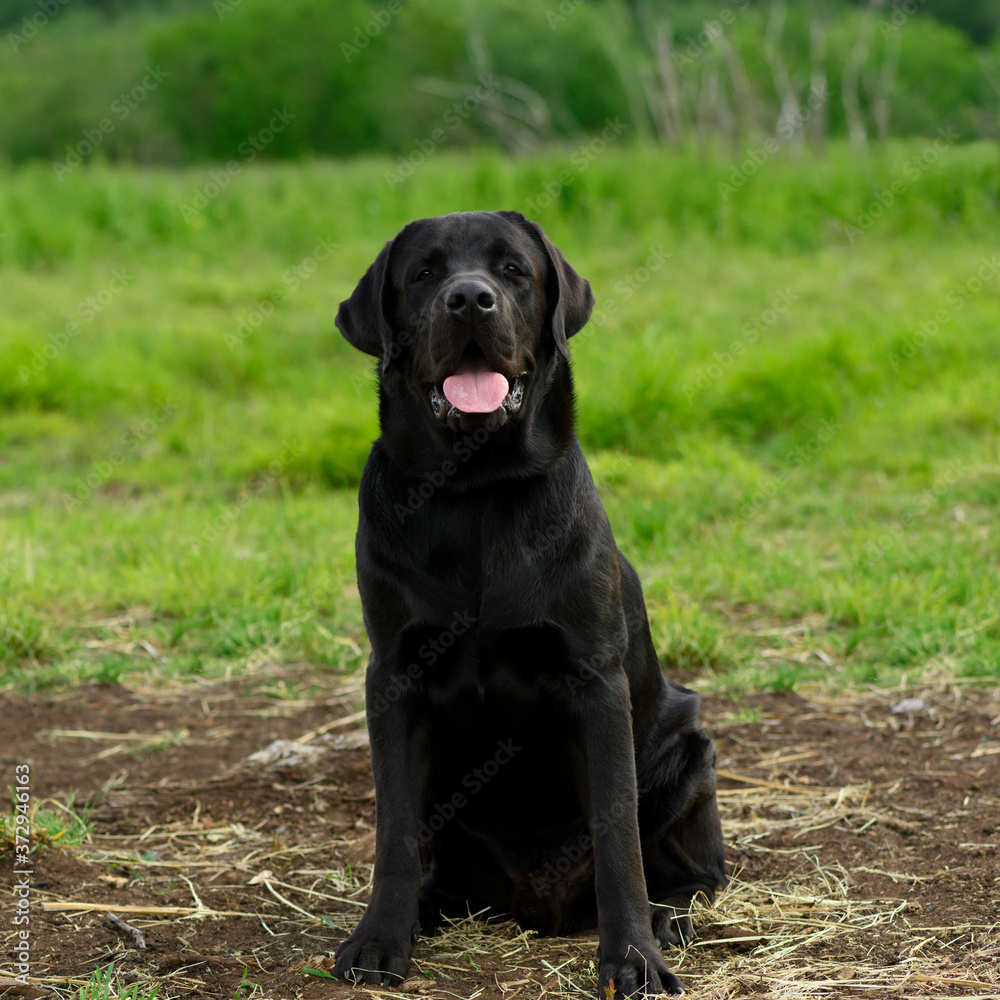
(784, 203)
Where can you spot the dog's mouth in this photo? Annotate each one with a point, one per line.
(474, 387)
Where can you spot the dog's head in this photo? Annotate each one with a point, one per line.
(469, 315)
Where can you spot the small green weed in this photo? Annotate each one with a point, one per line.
(50, 824)
(105, 984)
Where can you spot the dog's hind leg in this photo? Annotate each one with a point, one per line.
(686, 860)
(683, 852)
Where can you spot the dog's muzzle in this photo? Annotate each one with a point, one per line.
(444, 408)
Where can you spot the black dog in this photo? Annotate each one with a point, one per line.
(529, 756)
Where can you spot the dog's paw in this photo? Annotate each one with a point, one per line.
(672, 925)
(638, 974)
(373, 959)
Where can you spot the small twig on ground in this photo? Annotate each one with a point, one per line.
(117, 924)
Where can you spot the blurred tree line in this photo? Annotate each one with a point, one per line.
(173, 81)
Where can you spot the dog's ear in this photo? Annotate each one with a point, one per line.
(575, 300)
(366, 319)
(570, 298)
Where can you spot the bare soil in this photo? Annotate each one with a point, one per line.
(863, 844)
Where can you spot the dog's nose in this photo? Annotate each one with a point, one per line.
(470, 299)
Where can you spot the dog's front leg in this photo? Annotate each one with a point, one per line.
(628, 953)
(378, 952)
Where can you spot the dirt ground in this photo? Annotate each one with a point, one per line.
(863, 845)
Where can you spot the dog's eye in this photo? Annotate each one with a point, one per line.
(422, 275)
(512, 269)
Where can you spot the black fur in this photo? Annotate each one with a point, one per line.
(528, 754)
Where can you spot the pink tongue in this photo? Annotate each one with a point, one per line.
(475, 389)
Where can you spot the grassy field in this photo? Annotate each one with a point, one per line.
(789, 395)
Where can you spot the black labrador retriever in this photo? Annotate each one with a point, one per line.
(529, 756)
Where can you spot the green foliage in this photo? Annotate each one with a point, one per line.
(66, 825)
(786, 203)
(106, 984)
(978, 19)
(229, 73)
(49, 824)
(247, 989)
(78, 72)
(941, 78)
(410, 79)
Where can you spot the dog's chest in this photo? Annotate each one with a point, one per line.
(471, 678)
(493, 559)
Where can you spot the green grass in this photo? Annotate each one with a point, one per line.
(177, 489)
(106, 984)
(48, 823)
